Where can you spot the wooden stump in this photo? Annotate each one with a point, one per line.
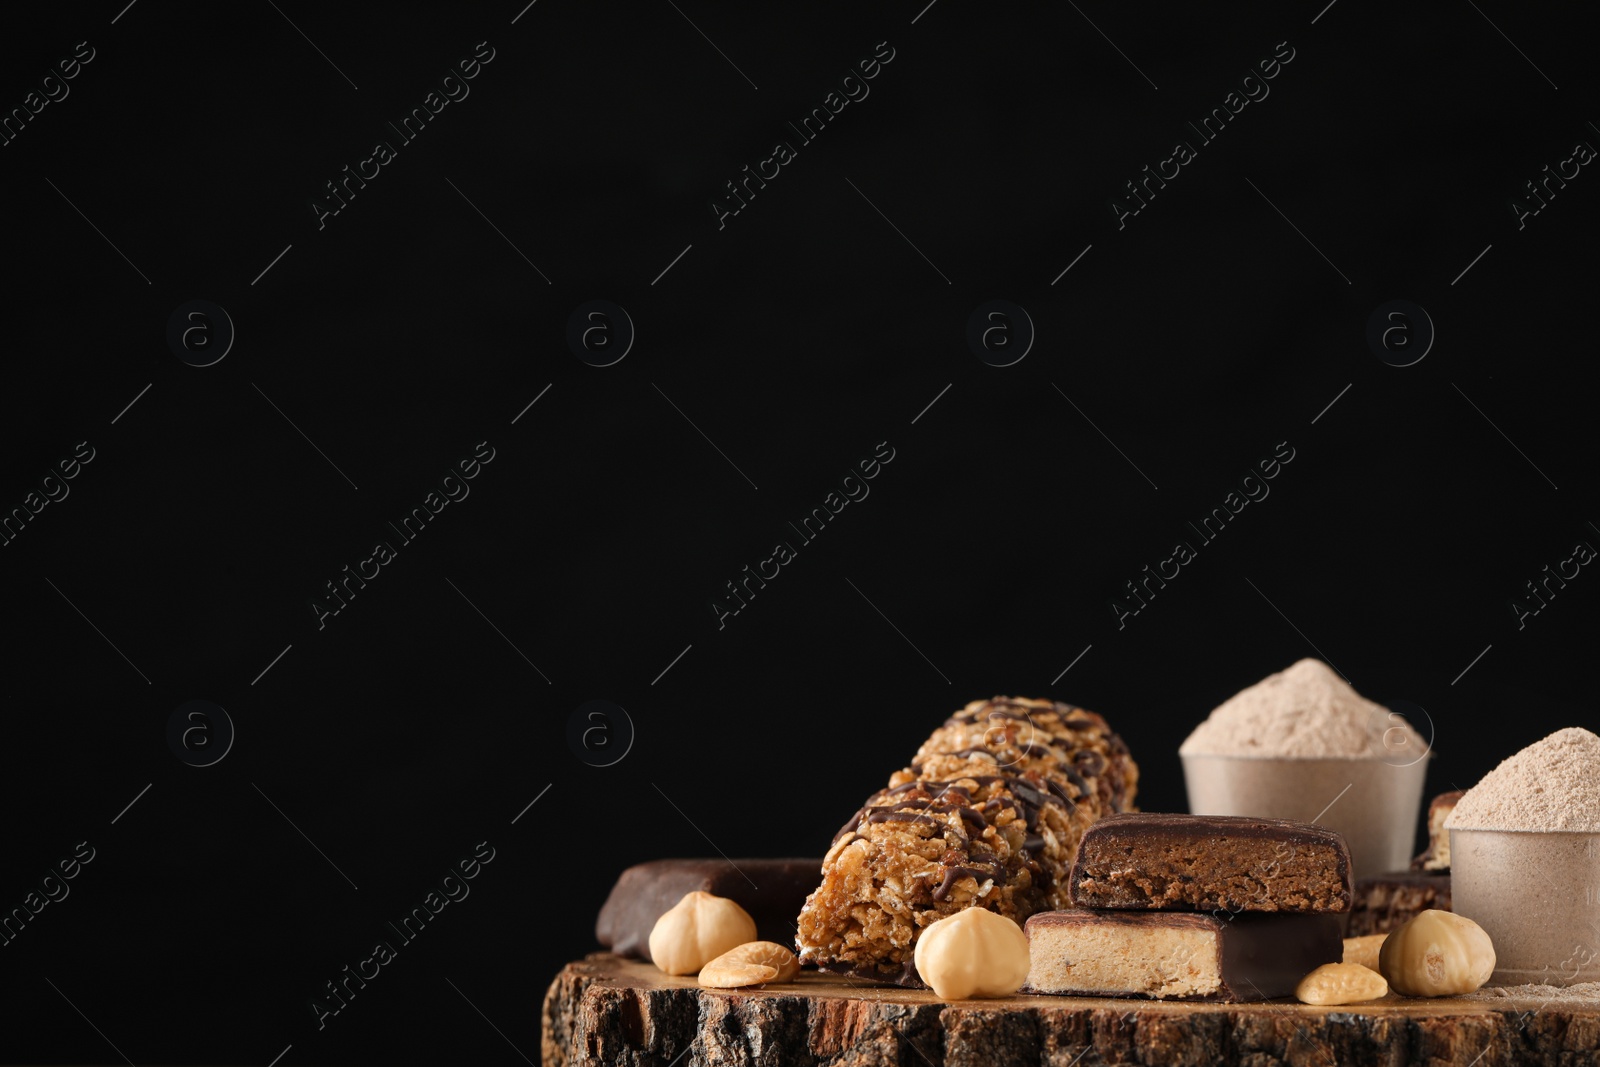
(609, 1012)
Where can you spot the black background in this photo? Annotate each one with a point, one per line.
(796, 338)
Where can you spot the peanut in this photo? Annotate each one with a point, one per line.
(698, 929)
(1437, 954)
(1341, 983)
(751, 964)
(1363, 950)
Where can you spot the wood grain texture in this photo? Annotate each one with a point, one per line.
(609, 1012)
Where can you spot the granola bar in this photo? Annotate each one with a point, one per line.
(1435, 859)
(989, 814)
(1383, 902)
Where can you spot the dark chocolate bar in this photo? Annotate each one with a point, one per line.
(645, 892)
(1385, 901)
(1211, 863)
(1180, 955)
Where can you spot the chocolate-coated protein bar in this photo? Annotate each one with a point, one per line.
(1210, 863)
(771, 890)
(1189, 955)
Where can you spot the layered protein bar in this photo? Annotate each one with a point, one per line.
(989, 814)
(1210, 863)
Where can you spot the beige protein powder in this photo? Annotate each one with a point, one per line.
(1552, 785)
(1304, 712)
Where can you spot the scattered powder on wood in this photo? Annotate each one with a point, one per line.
(1552, 784)
(1588, 991)
(1305, 712)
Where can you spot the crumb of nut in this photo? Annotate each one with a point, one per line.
(1364, 949)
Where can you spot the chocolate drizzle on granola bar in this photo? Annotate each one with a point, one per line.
(1026, 795)
(952, 875)
(880, 815)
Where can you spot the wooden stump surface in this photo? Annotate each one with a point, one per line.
(605, 1011)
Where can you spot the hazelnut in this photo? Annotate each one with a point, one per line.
(698, 929)
(973, 953)
(1437, 954)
